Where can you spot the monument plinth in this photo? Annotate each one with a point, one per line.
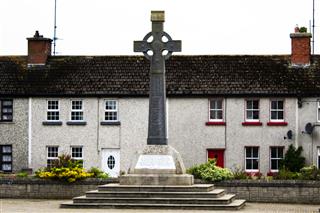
(158, 163)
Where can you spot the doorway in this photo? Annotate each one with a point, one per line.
(217, 154)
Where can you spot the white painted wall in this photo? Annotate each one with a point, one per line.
(187, 130)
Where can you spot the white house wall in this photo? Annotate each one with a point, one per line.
(15, 133)
(309, 142)
(187, 128)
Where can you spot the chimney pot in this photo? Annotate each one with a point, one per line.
(39, 48)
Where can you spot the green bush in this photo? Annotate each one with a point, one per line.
(310, 173)
(97, 173)
(285, 174)
(22, 174)
(65, 169)
(240, 174)
(302, 30)
(293, 161)
(210, 172)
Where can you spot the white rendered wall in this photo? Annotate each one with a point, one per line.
(186, 129)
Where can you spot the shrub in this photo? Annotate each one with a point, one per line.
(22, 174)
(97, 173)
(210, 172)
(302, 30)
(310, 173)
(293, 161)
(65, 174)
(239, 174)
(285, 174)
(64, 169)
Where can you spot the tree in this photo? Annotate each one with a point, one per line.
(293, 161)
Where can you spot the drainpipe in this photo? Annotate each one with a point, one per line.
(297, 124)
(29, 132)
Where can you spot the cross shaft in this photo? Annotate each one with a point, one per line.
(157, 46)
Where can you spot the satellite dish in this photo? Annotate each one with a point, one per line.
(309, 128)
(289, 134)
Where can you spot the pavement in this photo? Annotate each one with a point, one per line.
(52, 206)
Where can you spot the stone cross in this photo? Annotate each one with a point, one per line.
(157, 46)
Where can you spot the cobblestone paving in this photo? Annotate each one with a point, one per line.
(52, 206)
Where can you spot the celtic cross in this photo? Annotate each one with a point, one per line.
(157, 46)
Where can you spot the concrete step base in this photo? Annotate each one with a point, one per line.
(226, 199)
(156, 179)
(157, 197)
(215, 193)
(157, 188)
(235, 205)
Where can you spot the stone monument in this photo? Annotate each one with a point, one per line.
(158, 163)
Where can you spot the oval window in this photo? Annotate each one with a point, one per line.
(111, 162)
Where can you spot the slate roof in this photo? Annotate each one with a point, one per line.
(202, 75)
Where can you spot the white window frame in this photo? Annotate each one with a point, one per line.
(2, 113)
(53, 110)
(318, 108)
(277, 158)
(277, 110)
(76, 110)
(252, 110)
(318, 156)
(111, 110)
(251, 158)
(77, 158)
(216, 109)
(52, 158)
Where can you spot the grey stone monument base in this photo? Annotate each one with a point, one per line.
(157, 165)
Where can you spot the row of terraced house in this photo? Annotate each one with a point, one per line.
(242, 110)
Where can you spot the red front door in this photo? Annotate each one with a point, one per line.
(217, 154)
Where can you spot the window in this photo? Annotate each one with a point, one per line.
(76, 110)
(252, 110)
(52, 155)
(6, 110)
(111, 110)
(216, 110)
(6, 158)
(76, 154)
(53, 110)
(252, 159)
(276, 154)
(276, 112)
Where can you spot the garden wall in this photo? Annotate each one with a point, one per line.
(277, 191)
(47, 189)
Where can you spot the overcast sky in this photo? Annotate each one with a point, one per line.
(109, 27)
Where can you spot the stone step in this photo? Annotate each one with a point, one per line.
(235, 205)
(157, 188)
(215, 193)
(226, 199)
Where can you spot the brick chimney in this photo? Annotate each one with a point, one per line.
(39, 48)
(300, 48)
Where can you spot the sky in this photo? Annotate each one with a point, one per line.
(109, 27)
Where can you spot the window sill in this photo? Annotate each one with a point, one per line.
(110, 123)
(7, 122)
(273, 123)
(251, 123)
(215, 123)
(52, 123)
(77, 123)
